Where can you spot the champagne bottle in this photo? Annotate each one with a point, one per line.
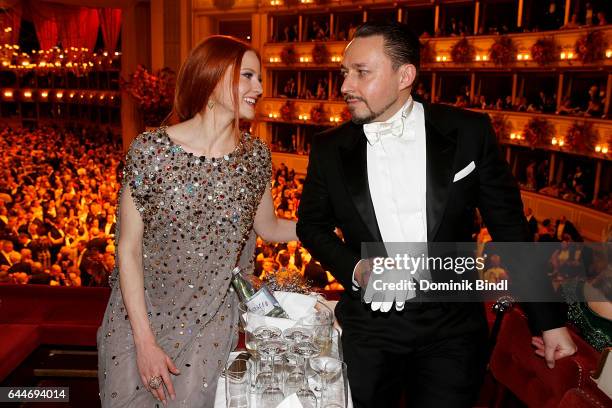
(261, 302)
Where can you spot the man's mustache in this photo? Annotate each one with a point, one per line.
(347, 97)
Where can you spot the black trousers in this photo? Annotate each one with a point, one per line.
(440, 374)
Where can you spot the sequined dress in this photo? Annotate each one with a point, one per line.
(198, 224)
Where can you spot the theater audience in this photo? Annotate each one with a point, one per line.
(62, 184)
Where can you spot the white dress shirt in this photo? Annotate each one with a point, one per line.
(396, 168)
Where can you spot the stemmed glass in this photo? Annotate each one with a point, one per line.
(306, 349)
(294, 379)
(272, 395)
(327, 368)
(252, 340)
(297, 334)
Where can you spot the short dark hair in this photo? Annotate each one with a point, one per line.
(401, 45)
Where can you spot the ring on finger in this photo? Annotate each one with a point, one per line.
(155, 382)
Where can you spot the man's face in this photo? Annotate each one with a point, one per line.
(371, 86)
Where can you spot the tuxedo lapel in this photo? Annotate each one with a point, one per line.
(441, 147)
(353, 156)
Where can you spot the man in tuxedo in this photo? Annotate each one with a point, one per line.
(531, 221)
(404, 171)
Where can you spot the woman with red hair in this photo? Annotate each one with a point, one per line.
(194, 196)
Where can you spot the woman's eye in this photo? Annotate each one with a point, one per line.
(248, 75)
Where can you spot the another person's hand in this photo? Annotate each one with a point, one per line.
(553, 345)
(363, 271)
(154, 362)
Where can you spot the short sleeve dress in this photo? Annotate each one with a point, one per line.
(198, 215)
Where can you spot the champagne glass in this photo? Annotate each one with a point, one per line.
(260, 334)
(272, 395)
(252, 340)
(297, 334)
(295, 379)
(327, 368)
(306, 349)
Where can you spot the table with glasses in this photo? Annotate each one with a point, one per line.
(286, 364)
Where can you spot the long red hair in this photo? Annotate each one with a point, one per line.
(203, 70)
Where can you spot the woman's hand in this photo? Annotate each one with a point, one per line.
(154, 362)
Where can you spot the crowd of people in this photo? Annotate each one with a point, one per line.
(550, 17)
(317, 88)
(57, 205)
(290, 263)
(591, 104)
(579, 272)
(58, 211)
(575, 187)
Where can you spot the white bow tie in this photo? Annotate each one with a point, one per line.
(377, 130)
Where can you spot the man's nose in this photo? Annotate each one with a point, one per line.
(347, 86)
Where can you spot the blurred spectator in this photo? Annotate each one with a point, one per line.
(564, 226)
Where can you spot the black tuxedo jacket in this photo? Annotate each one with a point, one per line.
(336, 194)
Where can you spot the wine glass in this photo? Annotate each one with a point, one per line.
(335, 387)
(252, 340)
(326, 367)
(258, 335)
(297, 334)
(306, 349)
(272, 395)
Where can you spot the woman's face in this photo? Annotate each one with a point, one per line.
(249, 87)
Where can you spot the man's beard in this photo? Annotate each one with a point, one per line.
(373, 115)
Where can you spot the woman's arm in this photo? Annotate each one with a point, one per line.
(131, 275)
(268, 226)
(152, 361)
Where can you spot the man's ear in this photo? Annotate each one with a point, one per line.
(407, 76)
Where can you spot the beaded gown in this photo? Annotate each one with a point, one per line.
(198, 217)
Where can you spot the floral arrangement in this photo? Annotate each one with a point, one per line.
(153, 93)
(545, 51)
(581, 136)
(288, 55)
(503, 50)
(539, 131)
(287, 111)
(591, 46)
(317, 113)
(501, 126)
(320, 54)
(288, 282)
(427, 52)
(462, 51)
(345, 115)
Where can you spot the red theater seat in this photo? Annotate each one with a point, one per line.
(517, 368)
(31, 315)
(17, 342)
